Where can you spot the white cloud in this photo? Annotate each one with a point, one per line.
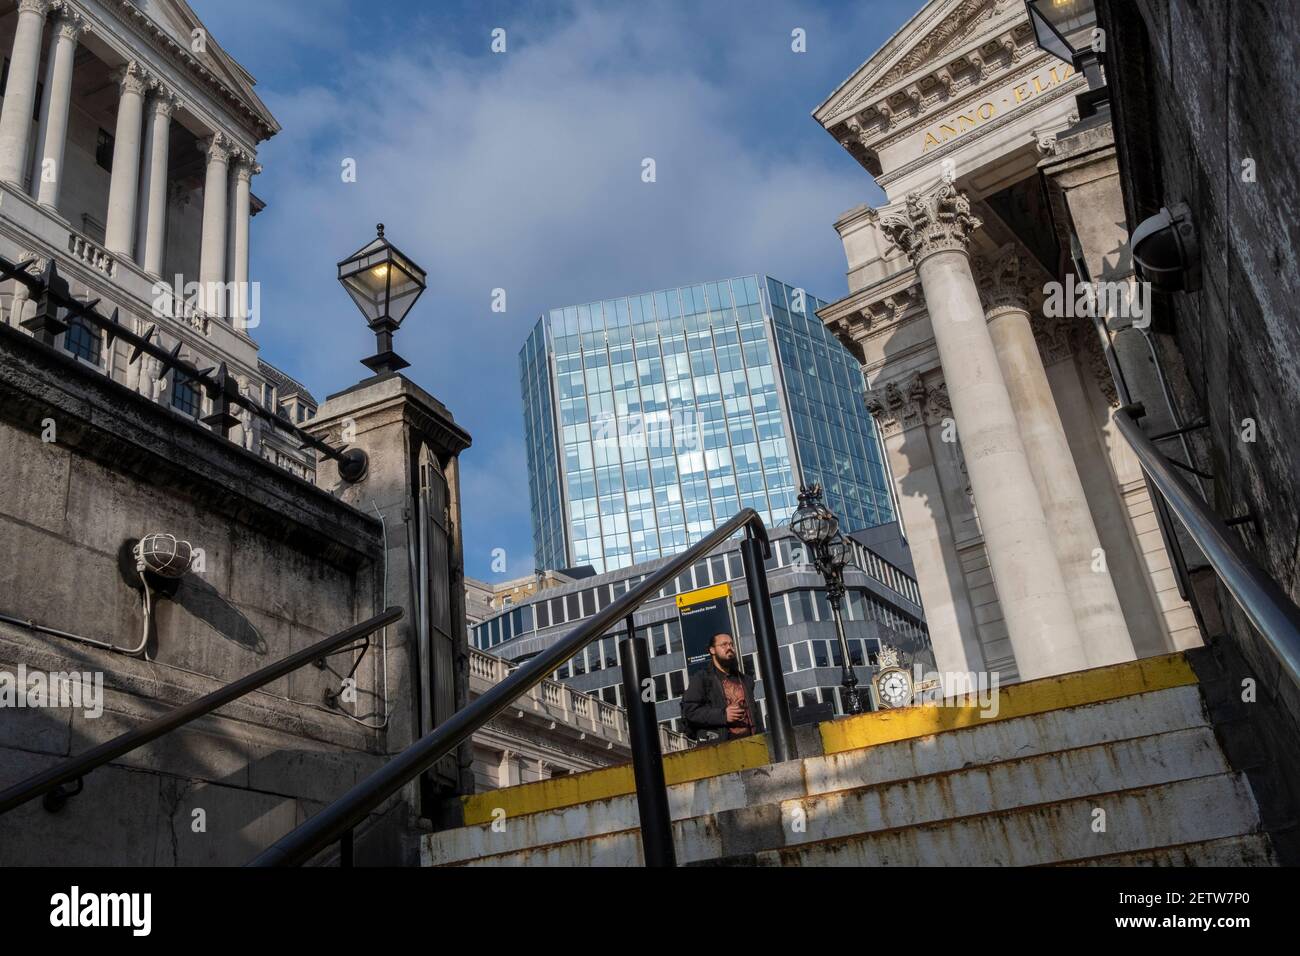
(523, 171)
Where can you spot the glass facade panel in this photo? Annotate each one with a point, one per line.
(650, 419)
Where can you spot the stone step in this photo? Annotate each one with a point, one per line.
(1138, 717)
(1096, 773)
(1252, 850)
(1151, 820)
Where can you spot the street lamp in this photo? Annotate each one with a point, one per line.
(818, 528)
(384, 284)
(1067, 29)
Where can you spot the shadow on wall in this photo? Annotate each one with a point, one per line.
(206, 604)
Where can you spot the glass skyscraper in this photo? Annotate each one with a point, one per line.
(650, 419)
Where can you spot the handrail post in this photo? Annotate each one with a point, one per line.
(647, 758)
(780, 730)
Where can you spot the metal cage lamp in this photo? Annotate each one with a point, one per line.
(385, 284)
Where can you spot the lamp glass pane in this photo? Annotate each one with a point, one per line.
(1072, 20)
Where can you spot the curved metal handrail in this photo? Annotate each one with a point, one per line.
(337, 820)
(1266, 605)
(77, 767)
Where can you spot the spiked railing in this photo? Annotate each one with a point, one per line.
(57, 308)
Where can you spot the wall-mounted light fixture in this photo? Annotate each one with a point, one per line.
(1167, 250)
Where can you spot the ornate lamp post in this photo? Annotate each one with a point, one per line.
(1067, 29)
(384, 284)
(818, 528)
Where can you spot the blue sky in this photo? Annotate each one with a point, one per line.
(522, 171)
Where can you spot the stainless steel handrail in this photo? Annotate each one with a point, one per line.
(1264, 603)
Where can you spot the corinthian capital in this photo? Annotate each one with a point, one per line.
(937, 221)
(70, 24)
(1057, 337)
(38, 7)
(246, 167)
(217, 148)
(903, 404)
(131, 78)
(1006, 280)
(164, 100)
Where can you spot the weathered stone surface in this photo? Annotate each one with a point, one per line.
(285, 564)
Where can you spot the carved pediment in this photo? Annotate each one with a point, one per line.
(928, 42)
(174, 27)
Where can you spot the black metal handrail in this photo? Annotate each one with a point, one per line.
(1267, 606)
(76, 767)
(337, 821)
(57, 308)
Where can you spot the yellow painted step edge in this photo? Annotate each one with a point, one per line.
(1017, 700)
(572, 789)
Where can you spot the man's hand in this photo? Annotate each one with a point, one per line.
(735, 713)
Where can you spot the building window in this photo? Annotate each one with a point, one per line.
(661, 688)
(82, 340)
(185, 396)
(104, 150)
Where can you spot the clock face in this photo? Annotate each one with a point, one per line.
(894, 687)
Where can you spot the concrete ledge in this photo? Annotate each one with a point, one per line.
(109, 423)
(1161, 724)
(844, 734)
(1173, 814)
(602, 784)
(1018, 700)
(1252, 850)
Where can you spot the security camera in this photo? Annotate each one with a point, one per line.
(1167, 250)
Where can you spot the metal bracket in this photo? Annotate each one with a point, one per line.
(54, 800)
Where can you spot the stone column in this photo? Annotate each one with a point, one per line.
(123, 190)
(934, 230)
(212, 251)
(1009, 295)
(52, 133)
(905, 411)
(20, 90)
(245, 170)
(152, 230)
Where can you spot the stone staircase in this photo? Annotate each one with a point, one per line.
(1117, 765)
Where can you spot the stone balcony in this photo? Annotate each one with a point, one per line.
(95, 273)
(563, 710)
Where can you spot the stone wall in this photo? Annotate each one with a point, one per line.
(1198, 90)
(285, 564)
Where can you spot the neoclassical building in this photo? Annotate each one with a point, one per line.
(1035, 539)
(128, 146)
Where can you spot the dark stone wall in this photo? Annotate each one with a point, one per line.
(286, 564)
(1199, 87)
